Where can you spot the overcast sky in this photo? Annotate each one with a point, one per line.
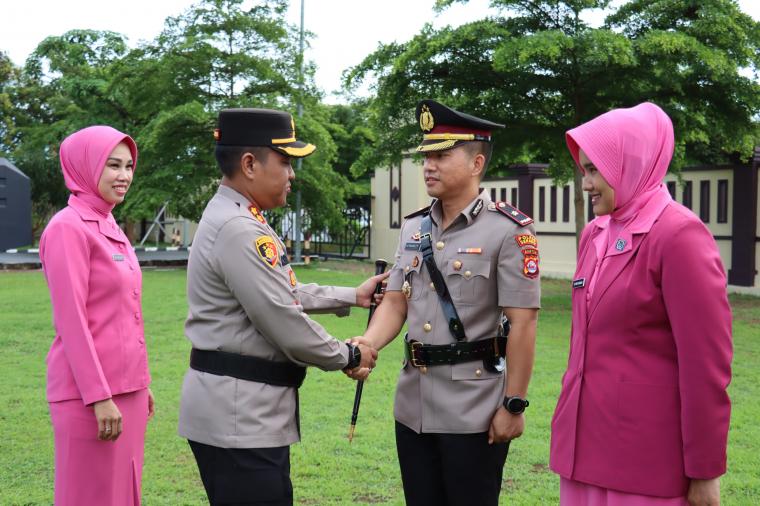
(345, 30)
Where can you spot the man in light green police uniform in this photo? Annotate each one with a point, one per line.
(461, 265)
(247, 322)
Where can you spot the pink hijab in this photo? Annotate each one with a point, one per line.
(632, 149)
(83, 156)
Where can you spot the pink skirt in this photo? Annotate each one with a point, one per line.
(90, 471)
(575, 493)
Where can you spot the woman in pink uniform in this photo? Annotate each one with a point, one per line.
(97, 381)
(643, 415)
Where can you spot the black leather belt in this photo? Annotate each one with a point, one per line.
(425, 355)
(221, 363)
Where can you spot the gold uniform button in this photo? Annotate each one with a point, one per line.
(478, 372)
(467, 274)
(457, 265)
(423, 369)
(432, 285)
(406, 268)
(439, 245)
(427, 327)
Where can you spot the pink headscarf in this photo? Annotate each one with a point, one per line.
(632, 149)
(83, 156)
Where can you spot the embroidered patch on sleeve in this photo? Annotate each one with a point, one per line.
(267, 250)
(526, 240)
(257, 214)
(530, 262)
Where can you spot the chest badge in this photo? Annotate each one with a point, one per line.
(117, 257)
(620, 244)
(579, 283)
(406, 289)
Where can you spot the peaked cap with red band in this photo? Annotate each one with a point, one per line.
(444, 128)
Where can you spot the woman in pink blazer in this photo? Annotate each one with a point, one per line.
(642, 418)
(97, 381)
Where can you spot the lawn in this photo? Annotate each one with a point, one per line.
(326, 469)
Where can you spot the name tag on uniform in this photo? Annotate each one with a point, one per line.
(412, 246)
(579, 283)
(117, 257)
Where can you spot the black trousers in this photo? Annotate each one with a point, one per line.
(449, 469)
(245, 477)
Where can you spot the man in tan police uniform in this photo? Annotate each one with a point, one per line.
(455, 413)
(251, 337)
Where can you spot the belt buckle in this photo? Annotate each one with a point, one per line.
(415, 345)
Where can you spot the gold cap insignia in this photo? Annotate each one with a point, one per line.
(426, 119)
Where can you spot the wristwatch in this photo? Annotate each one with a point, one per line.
(515, 405)
(354, 356)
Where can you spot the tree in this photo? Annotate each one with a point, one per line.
(537, 67)
(167, 94)
(220, 54)
(9, 75)
(64, 86)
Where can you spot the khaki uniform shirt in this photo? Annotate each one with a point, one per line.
(243, 300)
(489, 262)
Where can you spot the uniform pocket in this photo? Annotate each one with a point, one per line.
(467, 279)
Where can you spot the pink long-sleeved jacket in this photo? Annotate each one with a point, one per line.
(95, 289)
(643, 406)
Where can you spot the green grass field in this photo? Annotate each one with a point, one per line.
(326, 470)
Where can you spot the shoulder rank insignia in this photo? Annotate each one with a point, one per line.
(293, 281)
(512, 213)
(418, 212)
(267, 250)
(257, 214)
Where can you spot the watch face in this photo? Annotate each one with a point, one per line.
(515, 405)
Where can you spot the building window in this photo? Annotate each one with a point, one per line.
(553, 204)
(493, 194)
(686, 197)
(672, 189)
(514, 197)
(704, 201)
(503, 195)
(541, 203)
(566, 203)
(723, 201)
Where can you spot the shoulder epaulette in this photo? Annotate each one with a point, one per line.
(418, 212)
(512, 213)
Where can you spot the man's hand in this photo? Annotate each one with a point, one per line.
(365, 291)
(505, 426)
(358, 374)
(704, 492)
(368, 353)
